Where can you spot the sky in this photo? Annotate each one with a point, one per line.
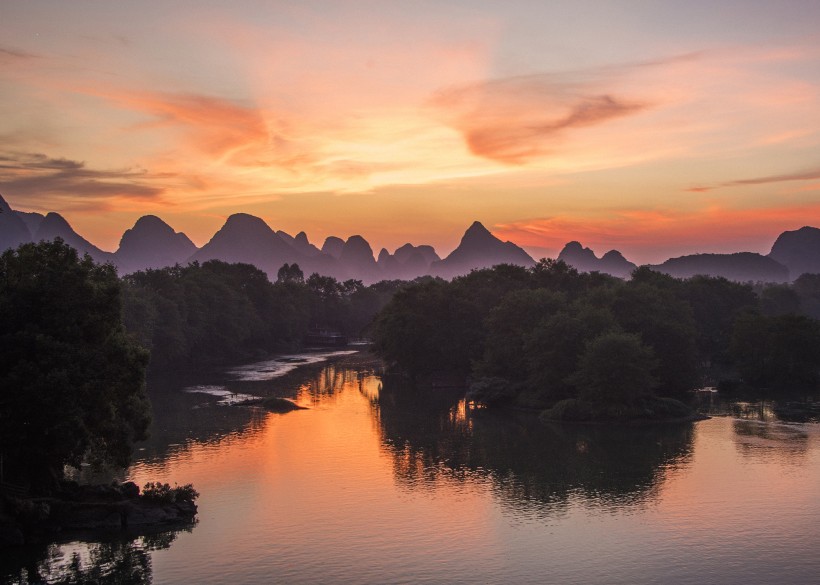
(658, 128)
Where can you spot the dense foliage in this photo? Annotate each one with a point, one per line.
(215, 312)
(71, 380)
(542, 335)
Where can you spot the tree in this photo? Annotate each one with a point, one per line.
(777, 352)
(616, 368)
(290, 273)
(72, 382)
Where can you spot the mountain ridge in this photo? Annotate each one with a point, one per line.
(152, 243)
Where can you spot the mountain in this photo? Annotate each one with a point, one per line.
(798, 250)
(740, 267)
(152, 243)
(31, 219)
(54, 226)
(407, 262)
(13, 230)
(479, 249)
(585, 260)
(248, 239)
(299, 243)
(333, 247)
(356, 260)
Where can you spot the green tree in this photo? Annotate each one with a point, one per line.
(616, 368)
(71, 380)
(777, 352)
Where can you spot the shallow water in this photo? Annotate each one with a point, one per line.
(381, 483)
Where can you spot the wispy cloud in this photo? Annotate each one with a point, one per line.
(12, 53)
(36, 175)
(809, 175)
(516, 119)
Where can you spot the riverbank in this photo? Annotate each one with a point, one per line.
(81, 508)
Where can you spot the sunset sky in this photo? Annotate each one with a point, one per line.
(655, 127)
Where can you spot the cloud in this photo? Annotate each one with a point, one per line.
(810, 175)
(38, 176)
(516, 119)
(218, 127)
(9, 52)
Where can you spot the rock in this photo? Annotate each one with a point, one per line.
(130, 490)
(280, 405)
(88, 516)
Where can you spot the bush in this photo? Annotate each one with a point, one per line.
(570, 410)
(163, 493)
(491, 391)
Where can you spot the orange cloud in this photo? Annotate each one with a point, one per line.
(797, 176)
(517, 119)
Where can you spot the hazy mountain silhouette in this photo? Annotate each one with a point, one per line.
(31, 219)
(585, 260)
(13, 230)
(479, 249)
(356, 260)
(54, 226)
(245, 238)
(798, 250)
(248, 239)
(741, 267)
(333, 247)
(299, 243)
(152, 243)
(407, 262)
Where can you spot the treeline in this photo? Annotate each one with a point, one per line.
(215, 312)
(538, 336)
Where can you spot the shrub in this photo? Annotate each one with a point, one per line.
(163, 493)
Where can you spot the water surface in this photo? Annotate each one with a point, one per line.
(379, 482)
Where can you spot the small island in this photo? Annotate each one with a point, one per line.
(74, 508)
(593, 348)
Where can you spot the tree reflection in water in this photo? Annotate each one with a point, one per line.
(541, 467)
(118, 561)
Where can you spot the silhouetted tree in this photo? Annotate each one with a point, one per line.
(615, 368)
(71, 380)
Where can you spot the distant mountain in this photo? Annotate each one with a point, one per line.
(740, 267)
(798, 250)
(585, 260)
(245, 238)
(479, 249)
(407, 262)
(31, 219)
(54, 226)
(13, 230)
(248, 239)
(356, 260)
(152, 243)
(300, 243)
(333, 246)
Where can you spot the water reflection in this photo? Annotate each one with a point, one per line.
(531, 465)
(117, 561)
(785, 443)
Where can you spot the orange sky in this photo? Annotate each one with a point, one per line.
(651, 127)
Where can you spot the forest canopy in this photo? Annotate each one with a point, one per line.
(536, 337)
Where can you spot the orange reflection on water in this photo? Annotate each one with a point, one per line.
(294, 483)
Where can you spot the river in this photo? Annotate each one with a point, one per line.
(379, 482)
